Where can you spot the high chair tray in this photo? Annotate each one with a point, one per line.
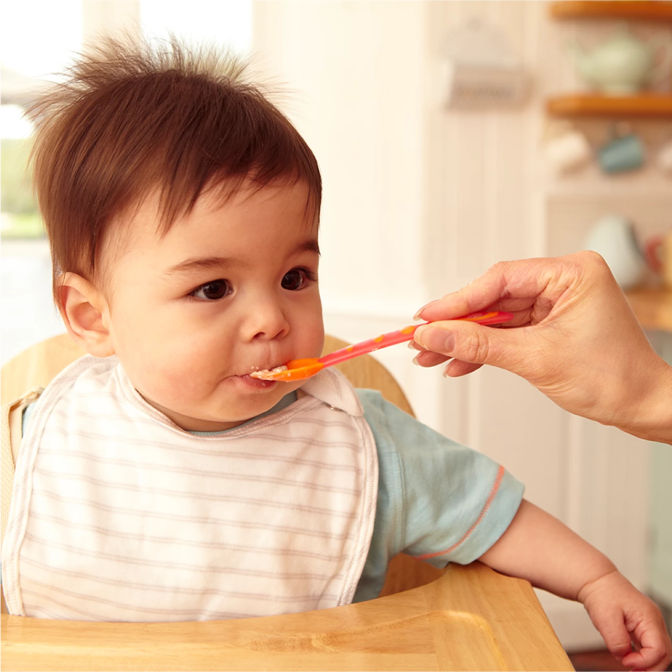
(471, 618)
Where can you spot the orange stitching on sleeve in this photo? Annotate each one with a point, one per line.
(491, 496)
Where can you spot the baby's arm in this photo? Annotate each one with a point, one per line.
(538, 547)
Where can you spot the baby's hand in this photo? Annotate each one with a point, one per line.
(630, 623)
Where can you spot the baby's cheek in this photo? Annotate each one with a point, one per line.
(181, 384)
(182, 364)
(170, 382)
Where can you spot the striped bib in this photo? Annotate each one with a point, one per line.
(118, 514)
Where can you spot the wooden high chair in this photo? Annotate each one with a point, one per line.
(461, 618)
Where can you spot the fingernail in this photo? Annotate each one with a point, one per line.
(435, 339)
(417, 315)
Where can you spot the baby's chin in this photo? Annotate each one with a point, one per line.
(189, 423)
(244, 399)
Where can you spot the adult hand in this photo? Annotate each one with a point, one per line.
(573, 336)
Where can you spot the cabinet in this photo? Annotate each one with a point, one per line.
(572, 203)
(652, 306)
(642, 105)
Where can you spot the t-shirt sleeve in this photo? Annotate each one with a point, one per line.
(437, 499)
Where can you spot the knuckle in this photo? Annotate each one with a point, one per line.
(593, 259)
(475, 348)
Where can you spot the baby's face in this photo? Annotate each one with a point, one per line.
(229, 289)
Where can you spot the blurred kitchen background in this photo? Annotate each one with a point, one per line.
(450, 135)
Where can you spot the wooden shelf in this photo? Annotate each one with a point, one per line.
(652, 306)
(643, 10)
(648, 105)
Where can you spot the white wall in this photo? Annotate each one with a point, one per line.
(352, 74)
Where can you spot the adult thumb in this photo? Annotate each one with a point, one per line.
(470, 342)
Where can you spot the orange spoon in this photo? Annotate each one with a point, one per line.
(298, 369)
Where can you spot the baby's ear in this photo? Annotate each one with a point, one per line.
(85, 312)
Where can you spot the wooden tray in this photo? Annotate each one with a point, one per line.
(471, 618)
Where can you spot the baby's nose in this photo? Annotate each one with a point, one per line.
(266, 321)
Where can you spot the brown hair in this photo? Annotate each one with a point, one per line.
(134, 118)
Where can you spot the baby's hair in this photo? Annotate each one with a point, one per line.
(134, 119)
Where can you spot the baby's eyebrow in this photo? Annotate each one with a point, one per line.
(211, 263)
(309, 245)
(200, 264)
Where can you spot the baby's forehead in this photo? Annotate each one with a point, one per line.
(147, 219)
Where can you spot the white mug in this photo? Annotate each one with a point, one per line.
(613, 236)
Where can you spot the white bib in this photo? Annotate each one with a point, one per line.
(118, 514)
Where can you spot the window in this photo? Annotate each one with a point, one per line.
(30, 51)
(38, 39)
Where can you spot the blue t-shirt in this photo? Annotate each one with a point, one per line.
(436, 498)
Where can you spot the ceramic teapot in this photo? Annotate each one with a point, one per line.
(623, 64)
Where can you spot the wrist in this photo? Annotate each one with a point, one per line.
(651, 417)
(595, 583)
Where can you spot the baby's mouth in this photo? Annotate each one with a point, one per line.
(267, 374)
(251, 379)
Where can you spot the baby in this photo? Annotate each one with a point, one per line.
(157, 479)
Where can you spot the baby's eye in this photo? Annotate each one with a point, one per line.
(295, 279)
(212, 291)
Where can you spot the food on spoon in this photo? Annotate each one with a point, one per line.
(268, 374)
